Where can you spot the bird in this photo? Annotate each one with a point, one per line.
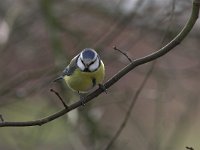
(84, 72)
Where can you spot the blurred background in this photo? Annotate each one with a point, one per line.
(38, 39)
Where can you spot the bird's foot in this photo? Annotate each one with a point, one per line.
(82, 98)
(82, 101)
(101, 86)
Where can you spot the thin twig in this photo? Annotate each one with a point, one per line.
(119, 26)
(1, 118)
(123, 124)
(189, 148)
(128, 113)
(60, 98)
(155, 55)
(22, 77)
(117, 49)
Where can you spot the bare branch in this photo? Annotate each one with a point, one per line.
(123, 124)
(120, 74)
(115, 48)
(60, 98)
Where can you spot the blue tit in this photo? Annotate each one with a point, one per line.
(84, 71)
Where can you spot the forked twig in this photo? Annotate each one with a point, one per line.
(60, 98)
(117, 49)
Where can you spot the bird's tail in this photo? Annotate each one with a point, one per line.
(57, 79)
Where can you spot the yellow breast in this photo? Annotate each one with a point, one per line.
(84, 81)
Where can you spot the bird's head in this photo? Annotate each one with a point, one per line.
(88, 60)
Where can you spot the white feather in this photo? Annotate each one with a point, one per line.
(80, 64)
(94, 66)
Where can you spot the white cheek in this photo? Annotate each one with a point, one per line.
(94, 66)
(80, 64)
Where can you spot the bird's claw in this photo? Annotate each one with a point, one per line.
(82, 99)
(82, 102)
(101, 86)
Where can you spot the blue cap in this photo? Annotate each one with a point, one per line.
(88, 53)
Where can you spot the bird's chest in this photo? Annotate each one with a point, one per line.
(81, 81)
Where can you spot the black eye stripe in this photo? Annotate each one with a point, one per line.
(93, 62)
(82, 62)
(90, 63)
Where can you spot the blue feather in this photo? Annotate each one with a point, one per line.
(88, 54)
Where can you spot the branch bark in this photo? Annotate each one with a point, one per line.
(177, 40)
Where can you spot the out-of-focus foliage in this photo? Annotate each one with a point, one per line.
(38, 39)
